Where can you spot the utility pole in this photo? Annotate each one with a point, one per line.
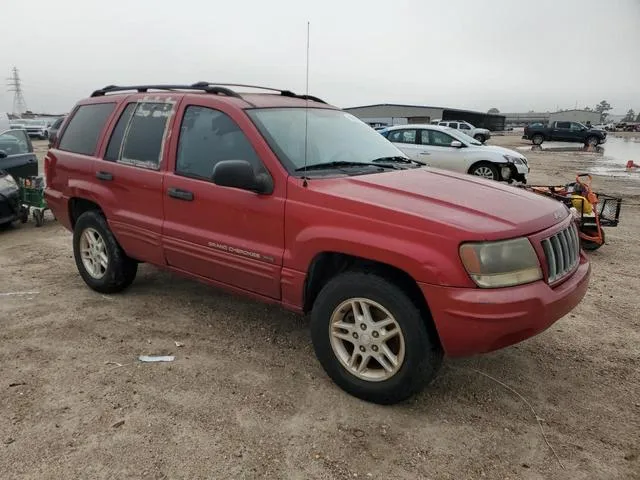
(14, 85)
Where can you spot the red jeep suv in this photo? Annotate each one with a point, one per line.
(289, 200)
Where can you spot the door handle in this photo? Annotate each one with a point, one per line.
(425, 153)
(104, 176)
(180, 194)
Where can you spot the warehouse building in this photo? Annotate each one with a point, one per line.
(582, 116)
(393, 114)
(522, 119)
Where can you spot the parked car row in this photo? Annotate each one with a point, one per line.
(289, 200)
(35, 127)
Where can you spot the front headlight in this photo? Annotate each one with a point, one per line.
(501, 264)
(514, 160)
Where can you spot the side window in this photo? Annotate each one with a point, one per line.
(576, 127)
(424, 137)
(83, 131)
(464, 126)
(564, 125)
(453, 125)
(115, 142)
(439, 139)
(15, 142)
(402, 136)
(144, 134)
(443, 124)
(208, 136)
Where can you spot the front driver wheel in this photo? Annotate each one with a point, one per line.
(372, 340)
(480, 138)
(102, 263)
(485, 170)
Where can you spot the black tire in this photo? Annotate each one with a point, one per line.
(475, 169)
(24, 214)
(38, 216)
(537, 139)
(480, 138)
(121, 270)
(423, 355)
(590, 245)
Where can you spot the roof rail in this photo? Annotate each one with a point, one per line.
(145, 88)
(284, 93)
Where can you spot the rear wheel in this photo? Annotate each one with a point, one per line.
(485, 170)
(592, 141)
(479, 137)
(537, 139)
(102, 263)
(372, 340)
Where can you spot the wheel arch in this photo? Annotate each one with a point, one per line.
(477, 163)
(79, 205)
(326, 265)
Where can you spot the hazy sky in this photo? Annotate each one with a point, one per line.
(515, 55)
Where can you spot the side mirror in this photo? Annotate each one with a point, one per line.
(456, 144)
(240, 174)
(3, 154)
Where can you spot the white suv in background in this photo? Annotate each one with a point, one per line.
(480, 134)
(450, 149)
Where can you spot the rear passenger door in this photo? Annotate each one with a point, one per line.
(406, 139)
(562, 131)
(130, 178)
(231, 236)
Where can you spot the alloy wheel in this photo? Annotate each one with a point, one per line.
(367, 339)
(93, 252)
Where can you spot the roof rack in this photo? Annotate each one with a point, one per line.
(284, 93)
(172, 88)
(207, 87)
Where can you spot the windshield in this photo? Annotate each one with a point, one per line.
(332, 136)
(463, 137)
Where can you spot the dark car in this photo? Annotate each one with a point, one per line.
(53, 130)
(564, 132)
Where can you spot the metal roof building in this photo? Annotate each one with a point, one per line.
(582, 116)
(395, 114)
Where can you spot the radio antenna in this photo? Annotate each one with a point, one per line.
(306, 112)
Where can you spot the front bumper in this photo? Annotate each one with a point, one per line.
(474, 320)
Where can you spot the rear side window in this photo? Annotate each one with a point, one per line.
(402, 136)
(113, 149)
(566, 125)
(83, 131)
(138, 136)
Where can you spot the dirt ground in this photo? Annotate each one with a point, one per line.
(245, 397)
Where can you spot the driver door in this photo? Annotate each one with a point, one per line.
(16, 154)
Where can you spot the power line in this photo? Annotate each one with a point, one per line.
(14, 84)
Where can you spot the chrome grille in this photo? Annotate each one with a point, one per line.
(562, 251)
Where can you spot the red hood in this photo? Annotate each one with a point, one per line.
(477, 208)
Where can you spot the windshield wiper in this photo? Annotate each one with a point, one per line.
(338, 164)
(397, 159)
